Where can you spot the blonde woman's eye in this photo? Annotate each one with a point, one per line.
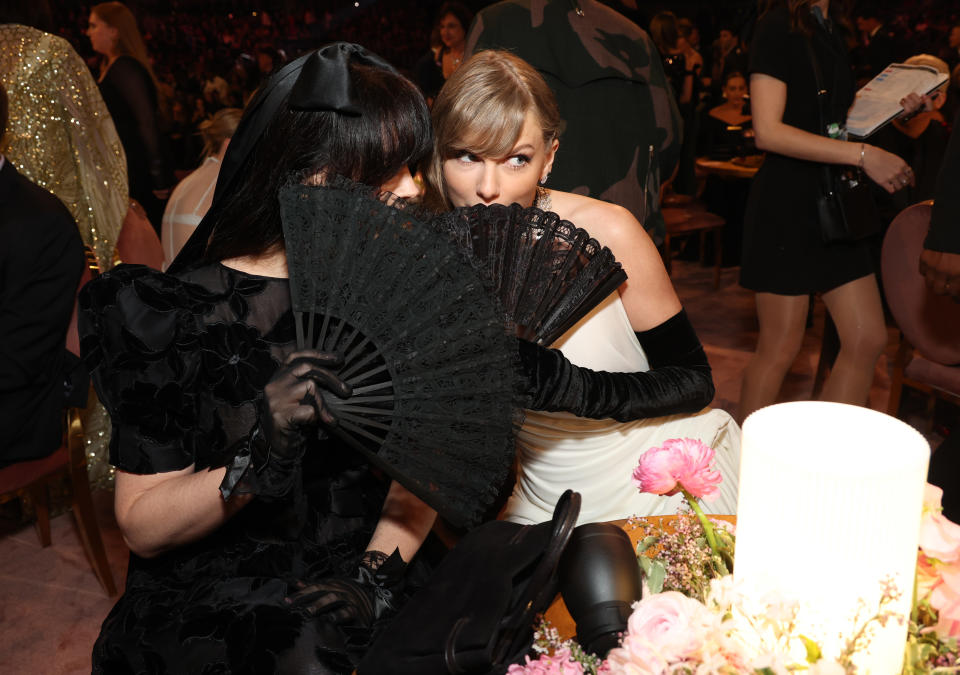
(518, 161)
(467, 158)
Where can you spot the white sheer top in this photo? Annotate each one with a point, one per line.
(189, 202)
(557, 451)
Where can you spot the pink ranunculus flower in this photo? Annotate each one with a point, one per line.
(945, 598)
(664, 630)
(680, 463)
(558, 663)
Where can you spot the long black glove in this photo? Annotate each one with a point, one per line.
(358, 600)
(679, 379)
(267, 460)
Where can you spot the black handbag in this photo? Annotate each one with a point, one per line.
(476, 613)
(845, 205)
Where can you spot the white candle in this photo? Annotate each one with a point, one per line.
(829, 506)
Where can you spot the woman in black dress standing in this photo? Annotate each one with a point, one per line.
(129, 89)
(784, 258)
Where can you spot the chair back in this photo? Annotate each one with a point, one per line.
(931, 323)
(138, 242)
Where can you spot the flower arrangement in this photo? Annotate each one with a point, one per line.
(694, 619)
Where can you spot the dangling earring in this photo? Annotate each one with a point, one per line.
(543, 201)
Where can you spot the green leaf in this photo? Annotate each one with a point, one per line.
(656, 576)
(646, 543)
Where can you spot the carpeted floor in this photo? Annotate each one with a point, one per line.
(51, 605)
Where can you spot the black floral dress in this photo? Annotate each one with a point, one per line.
(179, 363)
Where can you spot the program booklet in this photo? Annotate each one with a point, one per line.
(878, 101)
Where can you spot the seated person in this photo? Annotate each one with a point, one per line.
(640, 375)
(41, 261)
(208, 395)
(191, 197)
(725, 129)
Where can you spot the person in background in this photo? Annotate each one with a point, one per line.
(60, 133)
(191, 197)
(452, 22)
(784, 257)
(940, 265)
(41, 261)
(683, 66)
(622, 130)
(130, 91)
(879, 46)
(724, 128)
(726, 55)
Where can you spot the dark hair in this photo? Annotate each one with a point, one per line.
(391, 131)
(729, 75)
(33, 13)
(801, 13)
(459, 10)
(3, 111)
(664, 31)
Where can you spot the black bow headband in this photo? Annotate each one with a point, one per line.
(318, 81)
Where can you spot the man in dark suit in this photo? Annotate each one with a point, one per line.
(41, 260)
(879, 44)
(940, 263)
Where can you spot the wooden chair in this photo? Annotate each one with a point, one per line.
(687, 215)
(32, 478)
(684, 221)
(928, 357)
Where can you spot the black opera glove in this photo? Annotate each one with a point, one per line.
(358, 600)
(267, 461)
(679, 379)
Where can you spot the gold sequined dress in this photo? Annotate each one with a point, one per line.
(61, 137)
(60, 134)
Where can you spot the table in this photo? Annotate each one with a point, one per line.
(558, 615)
(738, 167)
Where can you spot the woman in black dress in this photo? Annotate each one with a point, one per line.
(207, 395)
(784, 258)
(130, 91)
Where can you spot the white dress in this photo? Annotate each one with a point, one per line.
(556, 451)
(189, 203)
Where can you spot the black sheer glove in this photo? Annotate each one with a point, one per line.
(679, 379)
(267, 460)
(358, 600)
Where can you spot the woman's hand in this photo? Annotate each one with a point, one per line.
(886, 169)
(915, 103)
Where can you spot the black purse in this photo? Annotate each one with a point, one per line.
(476, 613)
(845, 205)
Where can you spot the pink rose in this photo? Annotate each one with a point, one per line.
(939, 537)
(557, 664)
(664, 629)
(945, 598)
(681, 463)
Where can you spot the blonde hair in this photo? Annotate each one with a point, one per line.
(482, 108)
(933, 62)
(129, 41)
(217, 128)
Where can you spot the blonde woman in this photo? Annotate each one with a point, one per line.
(191, 198)
(130, 90)
(629, 375)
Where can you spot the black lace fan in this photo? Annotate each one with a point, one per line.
(424, 343)
(547, 273)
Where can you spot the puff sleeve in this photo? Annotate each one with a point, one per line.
(138, 337)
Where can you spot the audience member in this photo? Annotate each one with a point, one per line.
(453, 21)
(623, 128)
(191, 198)
(41, 261)
(130, 90)
(60, 134)
(879, 46)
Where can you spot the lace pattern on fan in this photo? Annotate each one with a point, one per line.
(424, 345)
(547, 272)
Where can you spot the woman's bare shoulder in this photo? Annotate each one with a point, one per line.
(603, 220)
